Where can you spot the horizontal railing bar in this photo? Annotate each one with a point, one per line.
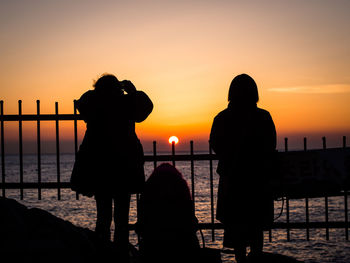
(35, 185)
(320, 195)
(41, 117)
(181, 157)
(303, 225)
(284, 225)
(276, 225)
(53, 185)
(206, 226)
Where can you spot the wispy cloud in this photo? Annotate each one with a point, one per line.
(319, 89)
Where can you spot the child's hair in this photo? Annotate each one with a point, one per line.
(167, 182)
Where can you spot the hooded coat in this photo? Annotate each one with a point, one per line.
(244, 139)
(111, 155)
(166, 220)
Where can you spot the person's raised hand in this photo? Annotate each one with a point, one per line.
(128, 86)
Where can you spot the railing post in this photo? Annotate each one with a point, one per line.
(346, 214)
(58, 153)
(38, 140)
(326, 197)
(20, 144)
(192, 175)
(75, 136)
(211, 193)
(154, 154)
(173, 151)
(307, 204)
(2, 149)
(346, 217)
(287, 198)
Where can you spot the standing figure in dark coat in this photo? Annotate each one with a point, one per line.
(244, 138)
(112, 152)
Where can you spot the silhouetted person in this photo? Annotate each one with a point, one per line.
(114, 152)
(166, 220)
(244, 138)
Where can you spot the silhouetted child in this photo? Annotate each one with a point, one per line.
(244, 138)
(166, 222)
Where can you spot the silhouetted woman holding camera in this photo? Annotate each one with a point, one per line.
(244, 138)
(111, 154)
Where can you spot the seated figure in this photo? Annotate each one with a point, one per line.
(166, 221)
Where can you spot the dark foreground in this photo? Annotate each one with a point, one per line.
(35, 235)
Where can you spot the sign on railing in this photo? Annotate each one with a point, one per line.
(313, 173)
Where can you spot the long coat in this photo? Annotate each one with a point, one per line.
(111, 151)
(244, 140)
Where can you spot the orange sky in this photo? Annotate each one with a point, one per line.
(184, 54)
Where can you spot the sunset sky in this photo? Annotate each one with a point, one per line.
(183, 54)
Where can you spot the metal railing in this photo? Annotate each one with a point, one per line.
(155, 158)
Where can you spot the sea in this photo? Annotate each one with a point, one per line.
(82, 212)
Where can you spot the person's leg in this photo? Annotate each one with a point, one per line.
(256, 246)
(121, 218)
(104, 216)
(257, 243)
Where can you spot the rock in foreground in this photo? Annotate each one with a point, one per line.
(35, 235)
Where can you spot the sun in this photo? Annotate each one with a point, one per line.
(173, 139)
